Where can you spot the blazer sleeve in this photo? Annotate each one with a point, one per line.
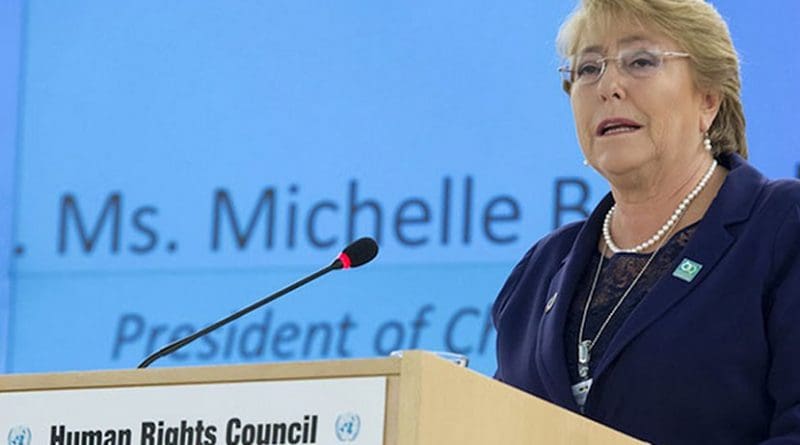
(505, 294)
(783, 331)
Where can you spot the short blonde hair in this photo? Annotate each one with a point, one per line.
(699, 30)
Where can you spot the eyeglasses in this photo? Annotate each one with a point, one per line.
(638, 63)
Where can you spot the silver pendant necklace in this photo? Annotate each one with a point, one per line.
(581, 389)
(585, 346)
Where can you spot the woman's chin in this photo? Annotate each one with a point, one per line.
(620, 166)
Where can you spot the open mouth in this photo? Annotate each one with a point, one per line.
(612, 127)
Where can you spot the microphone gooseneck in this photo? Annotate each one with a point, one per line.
(357, 253)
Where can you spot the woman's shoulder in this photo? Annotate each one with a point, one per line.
(556, 243)
(776, 222)
(783, 196)
(781, 193)
(777, 204)
(539, 261)
(769, 195)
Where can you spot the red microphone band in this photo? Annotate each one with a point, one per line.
(345, 260)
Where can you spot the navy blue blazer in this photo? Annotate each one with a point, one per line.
(711, 361)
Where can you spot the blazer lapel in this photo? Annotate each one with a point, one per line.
(550, 359)
(708, 245)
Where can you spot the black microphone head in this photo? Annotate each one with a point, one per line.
(358, 253)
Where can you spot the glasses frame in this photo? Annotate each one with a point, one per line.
(568, 75)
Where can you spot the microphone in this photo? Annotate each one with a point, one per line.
(357, 253)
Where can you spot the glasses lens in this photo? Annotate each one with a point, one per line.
(641, 63)
(588, 69)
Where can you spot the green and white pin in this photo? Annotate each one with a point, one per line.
(687, 270)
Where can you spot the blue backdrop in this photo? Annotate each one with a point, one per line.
(162, 164)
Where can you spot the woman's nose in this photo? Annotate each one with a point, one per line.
(611, 82)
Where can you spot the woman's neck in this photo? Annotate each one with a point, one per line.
(644, 205)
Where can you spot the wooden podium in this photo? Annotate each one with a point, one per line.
(428, 401)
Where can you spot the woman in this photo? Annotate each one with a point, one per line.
(673, 312)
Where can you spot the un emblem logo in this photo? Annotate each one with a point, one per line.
(19, 435)
(347, 427)
(687, 270)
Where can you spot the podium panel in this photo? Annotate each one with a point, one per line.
(415, 400)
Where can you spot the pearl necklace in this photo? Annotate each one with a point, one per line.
(676, 215)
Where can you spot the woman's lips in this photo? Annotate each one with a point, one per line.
(614, 126)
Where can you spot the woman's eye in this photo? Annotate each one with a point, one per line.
(642, 62)
(588, 69)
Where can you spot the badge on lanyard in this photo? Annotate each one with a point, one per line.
(580, 391)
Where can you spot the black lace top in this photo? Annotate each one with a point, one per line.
(617, 274)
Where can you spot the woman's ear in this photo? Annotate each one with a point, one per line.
(709, 107)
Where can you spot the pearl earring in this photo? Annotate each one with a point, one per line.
(707, 142)
(586, 162)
